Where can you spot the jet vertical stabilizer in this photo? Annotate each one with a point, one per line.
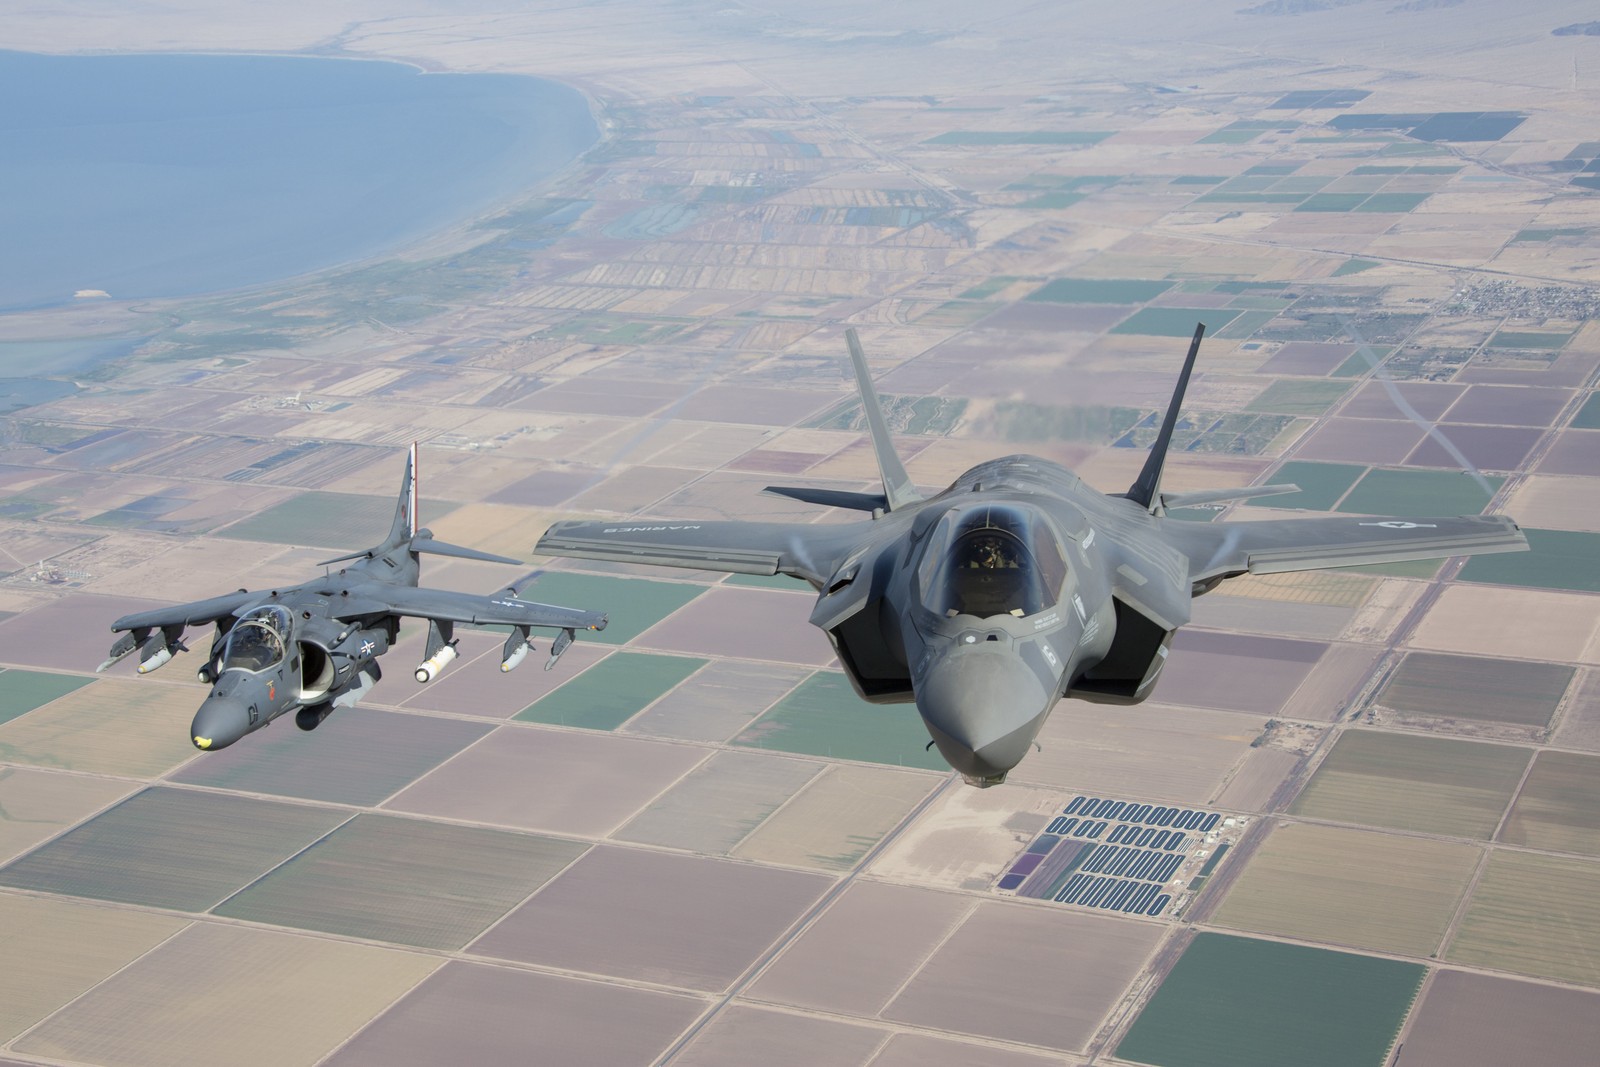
(897, 488)
(1146, 490)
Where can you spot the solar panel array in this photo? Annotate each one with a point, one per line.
(1116, 855)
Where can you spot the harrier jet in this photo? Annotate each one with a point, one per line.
(314, 647)
(1018, 585)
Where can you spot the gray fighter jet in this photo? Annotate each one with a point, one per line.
(314, 647)
(1018, 585)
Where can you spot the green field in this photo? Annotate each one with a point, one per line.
(1556, 559)
(1404, 782)
(1240, 1002)
(612, 691)
(1287, 397)
(1528, 339)
(1355, 266)
(1396, 202)
(1175, 322)
(633, 605)
(985, 289)
(1321, 484)
(172, 848)
(1332, 202)
(1471, 687)
(405, 880)
(22, 691)
(824, 717)
(1534, 915)
(1559, 805)
(1411, 492)
(1588, 416)
(329, 520)
(1100, 291)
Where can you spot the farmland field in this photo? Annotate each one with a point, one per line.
(1248, 1003)
(1414, 783)
(1469, 687)
(1351, 887)
(824, 717)
(1534, 915)
(1559, 806)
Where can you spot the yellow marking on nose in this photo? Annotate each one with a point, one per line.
(202, 742)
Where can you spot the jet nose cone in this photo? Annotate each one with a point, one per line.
(220, 722)
(983, 707)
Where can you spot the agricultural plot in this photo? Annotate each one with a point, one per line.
(285, 1000)
(69, 948)
(1404, 492)
(825, 717)
(1042, 977)
(1299, 398)
(1476, 1018)
(837, 818)
(656, 917)
(1533, 914)
(831, 967)
(612, 691)
(1351, 887)
(36, 804)
(466, 1006)
(633, 604)
(924, 1050)
(563, 781)
(1558, 807)
(1441, 686)
(143, 850)
(1556, 559)
(720, 802)
(22, 691)
(1250, 1003)
(744, 1034)
(1321, 485)
(363, 881)
(110, 727)
(1100, 291)
(329, 520)
(1174, 321)
(1429, 784)
(359, 756)
(717, 702)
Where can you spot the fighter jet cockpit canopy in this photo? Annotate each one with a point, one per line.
(989, 560)
(257, 641)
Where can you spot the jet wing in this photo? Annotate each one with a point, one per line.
(444, 606)
(197, 613)
(1277, 545)
(798, 549)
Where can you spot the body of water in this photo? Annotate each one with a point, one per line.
(169, 175)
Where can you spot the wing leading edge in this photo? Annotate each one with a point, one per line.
(1279, 545)
(443, 606)
(800, 550)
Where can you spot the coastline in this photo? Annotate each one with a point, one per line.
(505, 196)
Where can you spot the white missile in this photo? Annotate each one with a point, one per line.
(158, 659)
(429, 668)
(510, 662)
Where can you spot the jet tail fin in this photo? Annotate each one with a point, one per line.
(897, 488)
(1146, 490)
(404, 527)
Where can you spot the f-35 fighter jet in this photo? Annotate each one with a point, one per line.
(1018, 585)
(314, 647)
